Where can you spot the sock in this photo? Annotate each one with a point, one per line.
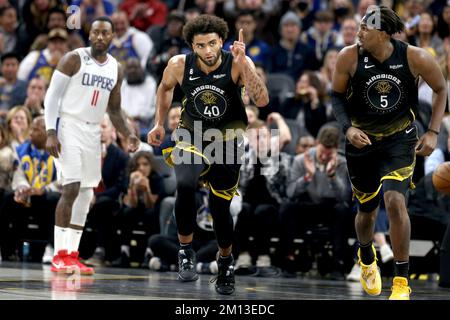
(186, 246)
(366, 253)
(401, 269)
(125, 249)
(60, 239)
(73, 239)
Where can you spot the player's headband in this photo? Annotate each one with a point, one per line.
(373, 20)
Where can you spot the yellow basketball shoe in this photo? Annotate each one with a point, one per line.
(370, 277)
(400, 289)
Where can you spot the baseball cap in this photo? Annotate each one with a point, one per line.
(57, 33)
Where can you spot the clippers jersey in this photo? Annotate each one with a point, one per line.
(87, 94)
(383, 96)
(213, 99)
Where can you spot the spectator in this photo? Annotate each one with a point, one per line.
(106, 196)
(6, 163)
(258, 50)
(12, 33)
(140, 204)
(12, 90)
(319, 189)
(57, 19)
(290, 56)
(42, 63)
(91, 9)
(425, 37)
(35, 193)
(128, 41)
(263, 186)
(348, 33)
(320, 37)
(304, 143)
(35, 15)
(307, 105)
(35, 96)
(138, 95)
(18, 120)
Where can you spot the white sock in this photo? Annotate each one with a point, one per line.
(125, 249)
(73, 239)
(60, 239)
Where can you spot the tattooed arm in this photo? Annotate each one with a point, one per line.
(247, 74)
(118, 118)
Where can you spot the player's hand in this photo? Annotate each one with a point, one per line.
(156, 135)
(238, 48)
(133, 143)
(52, 145)
(426, 144)
(357, 137)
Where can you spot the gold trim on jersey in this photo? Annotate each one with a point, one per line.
(399, 175)
(185, 146)
(226, 194)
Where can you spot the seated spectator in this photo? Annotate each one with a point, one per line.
(129, 42)
(290, 55)
(319, 192)
(106, 201)
(12, 34)
(35, 15)
(304, 143)
(6, 163)
(138, 95)
(42, 63)
(35, 193)
(35, 96)
(307, 106)
(262, 183)
(12, 90)
(140, 204)
(258, 50)
(18, 121)
(57, 19)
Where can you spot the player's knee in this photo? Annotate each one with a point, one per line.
(70, 192)
(394, 202)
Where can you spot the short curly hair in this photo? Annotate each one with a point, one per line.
(205, 24)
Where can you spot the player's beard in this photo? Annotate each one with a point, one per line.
(97, 52)
(210, 63)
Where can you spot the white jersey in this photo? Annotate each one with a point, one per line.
(87, 94)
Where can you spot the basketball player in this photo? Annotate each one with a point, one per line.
(85, 84)
(375, 101)
(211, 80)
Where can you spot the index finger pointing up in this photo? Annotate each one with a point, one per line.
(241, 35)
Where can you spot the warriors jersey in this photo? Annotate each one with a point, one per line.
(87, 94)
(42, 68)
(383, 96)
(123, 51)
(214, 99)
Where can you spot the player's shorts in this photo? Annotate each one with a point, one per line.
(222, 160)
(389, 163)
(80, 157)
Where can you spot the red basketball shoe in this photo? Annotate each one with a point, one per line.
(84, 270)
(63, 263)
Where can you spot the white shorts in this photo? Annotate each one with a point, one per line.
(80, 157)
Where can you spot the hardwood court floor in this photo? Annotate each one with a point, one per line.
(32, 281)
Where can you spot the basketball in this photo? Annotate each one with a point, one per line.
(441, 178)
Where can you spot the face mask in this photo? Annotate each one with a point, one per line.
(339, 12)
(302, 6)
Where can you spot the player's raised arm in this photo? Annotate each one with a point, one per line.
(255, 86)
(67, 66)
(424, 65)
(164, 95)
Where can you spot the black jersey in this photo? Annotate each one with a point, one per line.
(383, 96)
(214, 99)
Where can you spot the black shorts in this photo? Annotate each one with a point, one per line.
(389, 163)
(222, 161)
